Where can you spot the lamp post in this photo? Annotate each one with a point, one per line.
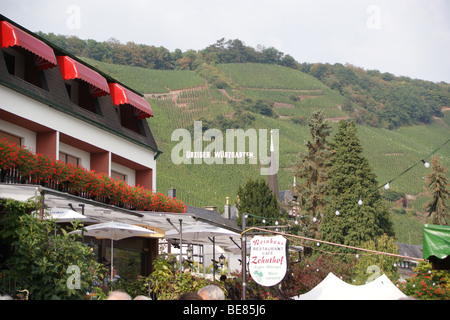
(221, 261)
(189, 252)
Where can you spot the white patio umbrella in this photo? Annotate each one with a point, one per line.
(196, 232)
(114, 231)
(200, 233)
(64, 215)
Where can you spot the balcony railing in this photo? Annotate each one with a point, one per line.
(20, 166)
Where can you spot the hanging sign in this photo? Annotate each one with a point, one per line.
(268, 260)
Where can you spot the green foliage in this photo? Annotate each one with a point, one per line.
(146, 80)
(47, 256)
(166, 284)
(312, 168)
(388, 151)
(310, 271)
(256, 199)
(387, 101)
(352, 179)
(370, 266)
(392, 195)
(427, 284)
(437, 186)
(256, 75)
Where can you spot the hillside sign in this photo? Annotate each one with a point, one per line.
(268, 260)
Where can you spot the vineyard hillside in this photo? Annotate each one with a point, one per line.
(263, 96)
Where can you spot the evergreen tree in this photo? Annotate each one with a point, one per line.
(256, 199)
(356, 213)
(312, 175)
(437, 186)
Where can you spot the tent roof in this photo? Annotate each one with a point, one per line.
(333, 288)
(436, 241)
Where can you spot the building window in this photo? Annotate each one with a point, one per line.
(79, 93)
(118, 176)
(21, 64)
(10, 138)
(67, 158)
(128, 118)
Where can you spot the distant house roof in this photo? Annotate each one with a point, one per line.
(285, 196)
(410, 250)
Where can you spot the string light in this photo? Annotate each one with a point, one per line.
(387, 185)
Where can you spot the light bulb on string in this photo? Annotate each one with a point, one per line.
(387, 185)
(337, 212)
(426, 164)
(264, 221)
(360, 202)
(276, 222)
(314, 219)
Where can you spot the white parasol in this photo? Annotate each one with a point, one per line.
(114, 231)
(64, 215)
(204, 233)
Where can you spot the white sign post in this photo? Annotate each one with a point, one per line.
(268, 260)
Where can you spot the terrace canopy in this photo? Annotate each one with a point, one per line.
(333, 288)
(72, 69)
(436, 245)
(11, 36)
(121, 95)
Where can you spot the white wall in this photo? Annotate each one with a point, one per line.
(28, 137)
(28, 108)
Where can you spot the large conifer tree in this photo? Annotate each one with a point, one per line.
(356, 213)
(437, 186)
(312, 176)
(257, 200)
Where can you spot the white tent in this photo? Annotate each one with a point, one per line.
(333, 288)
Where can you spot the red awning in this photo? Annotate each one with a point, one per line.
(121, 95)
(72, 69)
(11, 36)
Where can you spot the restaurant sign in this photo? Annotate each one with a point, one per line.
(268, 260)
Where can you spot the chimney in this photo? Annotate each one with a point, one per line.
(227, 209)
(172, 193)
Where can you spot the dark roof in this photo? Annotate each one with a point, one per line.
(213, 217)
(410, 250)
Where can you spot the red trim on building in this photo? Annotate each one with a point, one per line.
(72, 69)
(121, 95)
(11, 36)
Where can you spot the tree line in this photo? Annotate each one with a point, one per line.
(372, 97)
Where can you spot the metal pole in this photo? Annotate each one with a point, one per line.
(244, 258)
(181, 245)
(214, 258)
(82, 212)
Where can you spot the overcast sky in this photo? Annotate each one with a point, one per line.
(404, 37)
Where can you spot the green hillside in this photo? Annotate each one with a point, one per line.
(178, 98)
